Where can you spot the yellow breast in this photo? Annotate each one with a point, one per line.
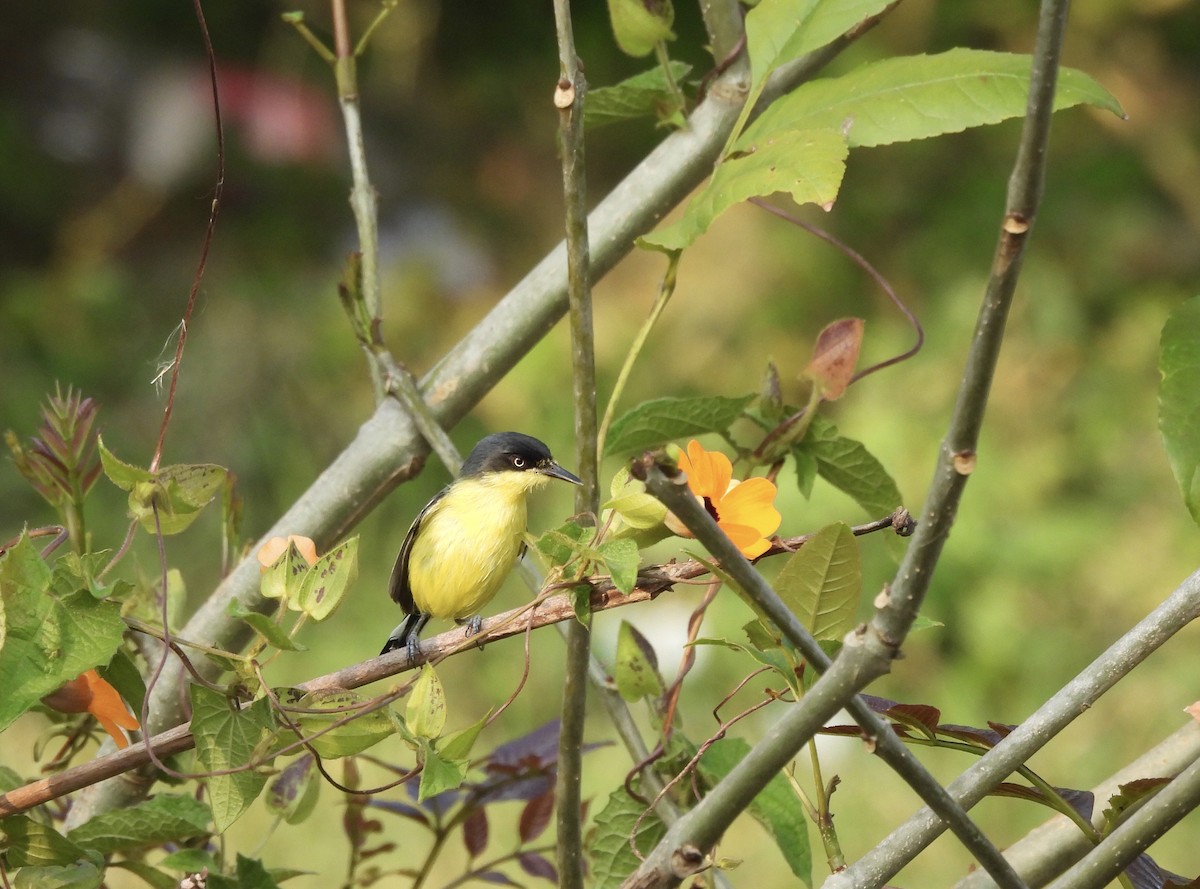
(468, 543)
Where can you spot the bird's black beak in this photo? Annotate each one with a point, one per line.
(553, 470)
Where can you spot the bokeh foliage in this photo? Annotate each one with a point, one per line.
(1072, 527)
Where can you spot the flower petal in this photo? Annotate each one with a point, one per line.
(710, 472)
(108, 708)
(747, 539)
(751, 503)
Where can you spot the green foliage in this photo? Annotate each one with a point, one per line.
(775, 807)
(822, 582)
(29, 843)
(647, 94)
(48, 638)
(656, 422)
(636, 665)
(166, 818)
(640, 25)
(1179, 399)
(358, 730)
(849, 466)
(228, 738)
(610, 855)
(170, 499)
(293, 793)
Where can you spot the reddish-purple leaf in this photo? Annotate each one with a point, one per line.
(970, 734)
(835, 356)
(475, 831)
(537, 866)
(920, 716)
(535, 817)
(1144, 873)
(495, 877)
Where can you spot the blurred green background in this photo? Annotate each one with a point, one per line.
(1072, 527)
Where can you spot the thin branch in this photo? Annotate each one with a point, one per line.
(206, 245)
(865, 655)
(652, 582)
(569, 98)
(1048, 850)
(903, 844)
(388, 448)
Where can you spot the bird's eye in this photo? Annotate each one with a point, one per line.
(518, 462)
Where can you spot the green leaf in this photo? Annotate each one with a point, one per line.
(644, 95)
(775, 807)
(151, 876)
(611, 858)
(284, 577)
(177, 493)
(639, 25)
(425, 713)
(822, 582)
(636, 507)
(363, 731)
(656, 422)
(779, 31)
(326, 582)
(293, 793)
(1179, 399)
(457, 745)
(124, 475)
(637, 666)
(265, 626)
(917, 97)
(439, 773)
(83, 875)
(166, 818)
(226, 738)
(190, 861)
(560, 545)
(849, 466)
(29, 843)
(806, 163)
(49, 640)
(250, 875)
(776, 658)
(621, 558)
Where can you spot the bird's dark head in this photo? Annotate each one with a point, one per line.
(514, 452)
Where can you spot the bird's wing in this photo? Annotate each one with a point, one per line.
(398, 587)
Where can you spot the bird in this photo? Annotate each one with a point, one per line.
(465, 541)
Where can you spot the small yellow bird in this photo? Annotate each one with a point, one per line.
(466, 540)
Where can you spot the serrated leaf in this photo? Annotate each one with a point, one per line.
(560, 545)
(779, 31)
(822, 582)
(425, 712)
(639, 25)
(643, 95)
(29, 843)
(918, 97)
(166, 818)
(774, 807)
(83, 875)
(356, 735)
(325, 584)
(661, 420)
(621, 559)
(49, 640)
(851, 468)
(123, 475)
(227, 738)
(1179, 399)
(806, 163)
(636, 666)
(611, 858)
(440, 774)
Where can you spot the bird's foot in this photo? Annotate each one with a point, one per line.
(474, 625)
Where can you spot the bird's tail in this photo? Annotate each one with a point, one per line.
(410, 626)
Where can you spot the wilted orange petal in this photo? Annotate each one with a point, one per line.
(108, 708)
(751, 503)
(270, 552)
(73, 697)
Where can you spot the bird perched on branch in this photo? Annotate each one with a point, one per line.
(467, 538)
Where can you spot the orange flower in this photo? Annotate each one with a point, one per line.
(744, 510)
(269, 552)
(91, 694)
